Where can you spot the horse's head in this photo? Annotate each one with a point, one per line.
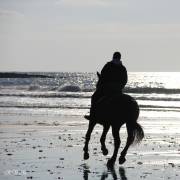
(99, 80)
(98, 74)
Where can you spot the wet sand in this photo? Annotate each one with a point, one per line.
(51, 148)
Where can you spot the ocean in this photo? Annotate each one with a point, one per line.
(69, 93)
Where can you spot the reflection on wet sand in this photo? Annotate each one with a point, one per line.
(105, 174)
(86, 171)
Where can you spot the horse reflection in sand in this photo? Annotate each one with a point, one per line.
(105, 174)
(113, 112)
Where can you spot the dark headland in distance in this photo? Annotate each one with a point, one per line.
(21, 75)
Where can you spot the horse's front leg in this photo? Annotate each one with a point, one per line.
(87, 138)
(115, 132)
(103, 138)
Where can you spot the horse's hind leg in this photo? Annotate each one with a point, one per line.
(87, 138)
(130, 140)
(103, 138)
(115, 132)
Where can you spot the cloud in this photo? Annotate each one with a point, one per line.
(123, 30)
(10, 13)
(84, 3)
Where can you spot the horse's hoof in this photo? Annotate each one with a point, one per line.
(86, 155)
(110, 163)
(122, 160)
(105, 152)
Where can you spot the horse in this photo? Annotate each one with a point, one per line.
(114, 111)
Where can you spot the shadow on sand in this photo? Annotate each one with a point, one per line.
(105, 174)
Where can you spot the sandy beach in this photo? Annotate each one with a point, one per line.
(40, 147)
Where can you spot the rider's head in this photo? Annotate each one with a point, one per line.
(117, 55)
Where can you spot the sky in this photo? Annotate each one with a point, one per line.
(81, 35)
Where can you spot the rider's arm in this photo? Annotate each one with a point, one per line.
(125, 77)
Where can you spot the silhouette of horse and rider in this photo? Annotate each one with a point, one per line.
(110, 107)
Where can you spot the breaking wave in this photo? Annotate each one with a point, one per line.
(148, 90)
(70, 88)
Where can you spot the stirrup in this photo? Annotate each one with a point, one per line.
(89, 117)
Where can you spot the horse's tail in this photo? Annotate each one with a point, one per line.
(137, 133)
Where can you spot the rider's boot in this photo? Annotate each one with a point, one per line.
(91, 116)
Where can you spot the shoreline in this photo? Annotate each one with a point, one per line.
(55, 151)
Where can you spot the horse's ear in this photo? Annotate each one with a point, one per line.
(98, 74)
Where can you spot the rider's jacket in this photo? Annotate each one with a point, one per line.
(113, 78)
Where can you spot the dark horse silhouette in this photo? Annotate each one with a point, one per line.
(114, 111)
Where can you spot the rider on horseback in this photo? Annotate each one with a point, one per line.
(112, 80)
